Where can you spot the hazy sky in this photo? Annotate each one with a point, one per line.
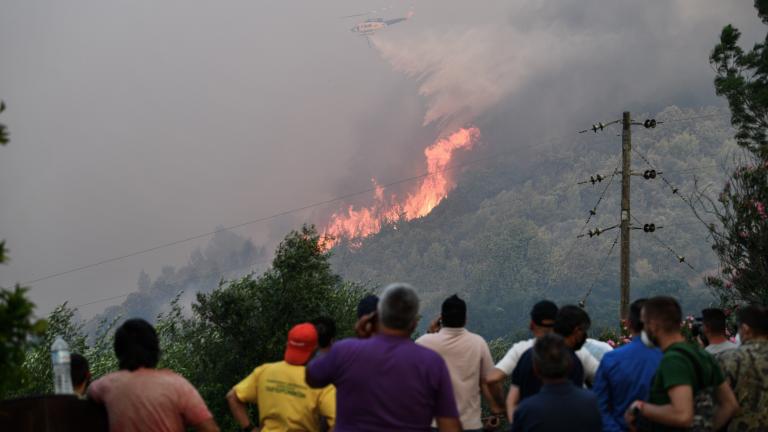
(135, 123)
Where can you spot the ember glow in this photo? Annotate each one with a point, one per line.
(357, 223)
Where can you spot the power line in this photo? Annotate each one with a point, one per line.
(690, 170)
(193, 279)
(675, 190)
(680, 258)
(583, 301)
(592, 212)
(696, 117)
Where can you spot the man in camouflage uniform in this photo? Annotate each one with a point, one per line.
(746, 368)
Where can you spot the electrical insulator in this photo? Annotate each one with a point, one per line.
(598, 127)
(649, 227)
(649, 174)
(649, 123)
(681, 259)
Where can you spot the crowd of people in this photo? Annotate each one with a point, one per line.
(384, 380)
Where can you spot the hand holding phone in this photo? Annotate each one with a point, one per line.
(435, 325)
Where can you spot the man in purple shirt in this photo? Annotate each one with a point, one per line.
(387, 382)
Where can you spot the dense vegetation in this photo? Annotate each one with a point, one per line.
(741, 236)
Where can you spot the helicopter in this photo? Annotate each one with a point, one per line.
(370, 26)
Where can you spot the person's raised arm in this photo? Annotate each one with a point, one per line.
(322, 371)
(366, 325)
(727, 405)
(448, 424)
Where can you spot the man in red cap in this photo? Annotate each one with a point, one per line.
(285, 401)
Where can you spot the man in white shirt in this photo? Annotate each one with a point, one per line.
(713, 330)
(469, 362)
(543, 316)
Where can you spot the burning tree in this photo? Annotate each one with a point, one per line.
(741, 240)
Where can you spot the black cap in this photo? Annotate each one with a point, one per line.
(367, 305)
(544, 313)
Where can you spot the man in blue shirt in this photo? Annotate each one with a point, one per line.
(625, 374)
(559, 405)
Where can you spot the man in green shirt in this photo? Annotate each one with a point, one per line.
(684, 372)
(745, 369)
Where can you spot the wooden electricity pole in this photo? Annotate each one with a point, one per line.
(626, 153)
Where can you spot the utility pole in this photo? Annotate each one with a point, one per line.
(625, 222)
(626, 171)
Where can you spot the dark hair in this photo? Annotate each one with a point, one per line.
(367, 305)
(569, 318)
(398, 307)
(665, 310)
(551, 358)
(326, 330)
(756, 317)
(635, 321)
(714, 319)
(544, 310)
(454, 312)
(136, 345)
(78, 369)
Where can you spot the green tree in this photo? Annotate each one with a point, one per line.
(36, 373)
(37, 369)
(741, 240)
(16, 326)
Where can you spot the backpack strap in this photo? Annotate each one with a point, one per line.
(696, 366)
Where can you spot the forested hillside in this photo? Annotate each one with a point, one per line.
(507, 235)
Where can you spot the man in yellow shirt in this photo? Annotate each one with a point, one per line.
(286, 403)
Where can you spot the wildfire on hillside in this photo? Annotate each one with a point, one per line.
(357, 223)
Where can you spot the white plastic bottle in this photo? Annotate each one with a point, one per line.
(62, 380)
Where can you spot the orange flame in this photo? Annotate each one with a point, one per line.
(434, 187)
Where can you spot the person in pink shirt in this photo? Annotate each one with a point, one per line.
(140, 398)
(469, 363)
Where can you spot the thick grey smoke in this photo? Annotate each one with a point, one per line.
(462, 74)
(568, 55)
